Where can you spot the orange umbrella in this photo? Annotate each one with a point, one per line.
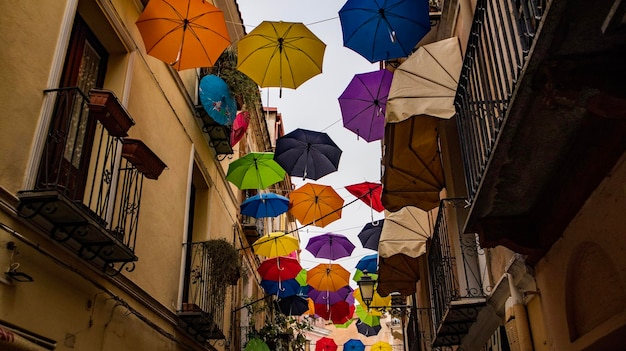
(315, 204)
(183, 33)
(327, 276)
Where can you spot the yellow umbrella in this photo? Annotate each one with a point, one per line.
(377, 301)
(280, 54)
(328, 276)
(275, 244)
(381, 346)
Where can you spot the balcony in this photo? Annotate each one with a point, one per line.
(219, 135)
(88, 191)
(540, 113)
(456, 286)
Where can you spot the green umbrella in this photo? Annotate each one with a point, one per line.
(367, 317)
(359, 273)
(301, 278)
(344, 325)
(256, 170)
(256, 345)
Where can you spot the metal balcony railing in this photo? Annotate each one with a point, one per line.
(501, 36)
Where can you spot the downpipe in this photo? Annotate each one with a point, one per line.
(521, 317)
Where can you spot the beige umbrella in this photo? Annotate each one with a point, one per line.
(405, 232)
(425, 84)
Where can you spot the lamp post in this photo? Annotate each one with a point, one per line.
(366, 287)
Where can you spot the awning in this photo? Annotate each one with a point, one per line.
(426, 82)
(405, 232)
(14, 340)
(413, 174)
(398, 273)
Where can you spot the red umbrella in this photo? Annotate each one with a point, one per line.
(240, 125)
(325, 344)
(279, 268)
(369, 193)
(339, 312)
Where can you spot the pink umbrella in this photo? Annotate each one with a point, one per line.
(240, 125)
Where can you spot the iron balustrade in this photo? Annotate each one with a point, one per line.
(501, 36)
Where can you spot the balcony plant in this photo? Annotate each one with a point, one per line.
(226, 263)
(280, 332)
(244, 89)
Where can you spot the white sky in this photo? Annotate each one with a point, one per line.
(314, 106)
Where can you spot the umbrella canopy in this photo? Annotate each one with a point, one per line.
(307, 154)
(330, 245)
(425, 84)
(325, 344)
(370, 234)
(367, 330)
(256, 344)
(280, 54)
(294, 305)
(354, 345)
(377, 301)
(183, 34)
(344, 325)
(265, 205)
(216, 99)
(359, 273)
(371, 318)
(240, 125)
(328, 276)
(368, 263)
(282, 288)
(363, 104)
(405, 232)
(275, 244)
(398, 273)
(279, 268)
(330, 297)
(315, 204)
(381, 346)
(256, 170)
(369, 193)
(301, 277)
(413, 173)
(383, 30)
(338, 312)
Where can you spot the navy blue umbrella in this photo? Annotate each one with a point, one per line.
(307, 154)
(369, 263)
(265, 205)
(216, 99)
(370, 234)
(367, 330)
(382, 30)
(294, 305)
(283, 288)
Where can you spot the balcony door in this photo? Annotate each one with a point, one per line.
(72, 129)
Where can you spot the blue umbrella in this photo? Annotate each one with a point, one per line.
(354, 345)
(369, 263)
(370, 234)
(216, 99)
(382, 30)
(367, 330)
(281, 289)
(265, 205)
(294, 305)
(307, 154)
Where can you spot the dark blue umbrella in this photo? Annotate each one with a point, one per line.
(367, 330)
(307, 154)
(354, 345)
(369, 263)
(370, 234)
(381, 30)
(216, 99)
(294, 305)
(283, 288)
(265, 205)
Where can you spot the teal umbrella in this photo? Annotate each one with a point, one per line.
(256, 170)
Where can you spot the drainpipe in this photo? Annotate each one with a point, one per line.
(521, 317)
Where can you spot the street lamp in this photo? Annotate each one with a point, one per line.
(366, 287)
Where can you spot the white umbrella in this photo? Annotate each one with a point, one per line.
(405, 232)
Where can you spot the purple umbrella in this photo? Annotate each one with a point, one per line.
(330, 245)
(330, 297)
(363, 103)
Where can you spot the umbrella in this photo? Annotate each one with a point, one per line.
(216, 99)
(368, 263)
(344, 325)
(315, 204)
(256, 170)
(426, 82)
(377, 300)
(369, 193)
(280, 54)
(275, 244)
(325, 344)
(354, 345)
(359, 273)
(308, 154)
(183, 34)
(279, 268)
(398, 273)
(330, 245)
(294, 305)
(281, 288)
(370, 234)
(240, 125)
(265, 205)
(328, 276)
(381, 346)
(406, 232)
(383, 30)
(367, 330)
(371, 317)
(338, 312)
(363, 102)
(256, 345)
(330, 297)
(413, 174)
(301, 277)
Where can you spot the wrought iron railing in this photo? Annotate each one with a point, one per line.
(501, 36)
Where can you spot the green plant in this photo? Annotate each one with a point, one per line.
(244, 89)
(225, 266)
(282, 332)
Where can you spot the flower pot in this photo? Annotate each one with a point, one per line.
(146, 162)
(105, 106)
